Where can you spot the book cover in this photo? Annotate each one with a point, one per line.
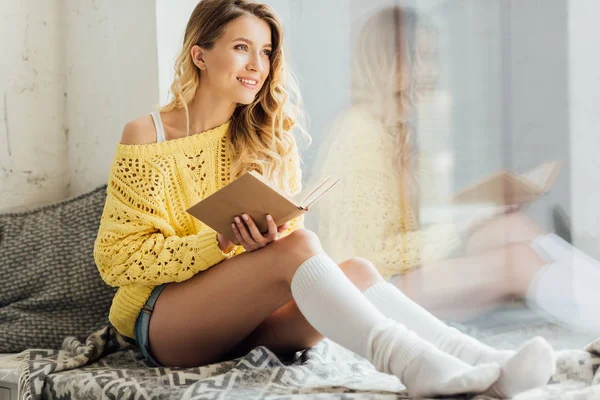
(252, 194)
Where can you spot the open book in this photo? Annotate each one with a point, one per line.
(509, 188)
(252, 194)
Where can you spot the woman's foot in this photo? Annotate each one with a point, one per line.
(529, 367)
(434, 373)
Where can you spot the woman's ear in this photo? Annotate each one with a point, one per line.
(198, 57)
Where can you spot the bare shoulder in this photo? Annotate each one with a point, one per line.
(139, 131)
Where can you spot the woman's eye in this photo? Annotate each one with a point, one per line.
(241, 47)
(267, 53)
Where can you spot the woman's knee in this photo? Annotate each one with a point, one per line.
(361, 272)
(301, 241)
(292, 250)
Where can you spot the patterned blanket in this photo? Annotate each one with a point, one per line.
(108, 366)
(54, 290)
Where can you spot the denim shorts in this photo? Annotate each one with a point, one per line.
(142, 325)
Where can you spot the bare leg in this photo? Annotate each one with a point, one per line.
(501, 231)
(465, 287)
(204, 328)
(286, 330)
(198, 321)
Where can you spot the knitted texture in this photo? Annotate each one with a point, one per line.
(368, 215)
(146, 237)
(50, 285)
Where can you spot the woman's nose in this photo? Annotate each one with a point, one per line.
(256, 64)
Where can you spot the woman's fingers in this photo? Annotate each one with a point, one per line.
(248, 234)
(256, 235)
(283, 227)
(272, 232)
(244, 232)
(238, 236)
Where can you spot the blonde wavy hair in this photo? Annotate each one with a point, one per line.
(391, 69)
(261, 133)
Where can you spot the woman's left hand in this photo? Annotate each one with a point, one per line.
(283, 228)
(249, 236)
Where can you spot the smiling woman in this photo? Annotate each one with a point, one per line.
(243, 76)
(190, 297)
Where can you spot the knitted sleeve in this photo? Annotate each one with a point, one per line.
(365, 217)
(135, 241)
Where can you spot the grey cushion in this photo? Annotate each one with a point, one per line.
(50, 286)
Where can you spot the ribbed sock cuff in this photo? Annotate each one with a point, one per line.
(309, 273)
(379, 292)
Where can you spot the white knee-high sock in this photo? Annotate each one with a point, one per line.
(338, 310)
(566, 289)
(536, 356)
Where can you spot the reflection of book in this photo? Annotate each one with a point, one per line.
(253, 195)
(507, 187)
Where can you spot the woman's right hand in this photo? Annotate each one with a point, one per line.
(249, 236)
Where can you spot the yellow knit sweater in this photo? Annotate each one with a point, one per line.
(146, 238)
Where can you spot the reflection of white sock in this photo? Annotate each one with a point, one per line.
(551, 291)
(338, 309)
(536, 357)
(560, 250)
(566, 289)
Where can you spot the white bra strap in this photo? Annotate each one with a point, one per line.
(160, 129)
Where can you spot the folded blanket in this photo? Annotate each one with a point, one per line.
(109, 366)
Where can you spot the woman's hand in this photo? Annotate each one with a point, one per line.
(283, 228)
(249, 236)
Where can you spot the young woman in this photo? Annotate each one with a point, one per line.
(373, 211)
(190, 297)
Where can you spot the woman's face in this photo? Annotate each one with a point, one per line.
(238, 65)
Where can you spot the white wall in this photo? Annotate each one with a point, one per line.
(171, 19)
(584, 98)
(32, 136)
(112, 78)
(73, 72)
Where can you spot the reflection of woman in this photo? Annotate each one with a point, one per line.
(372, 149)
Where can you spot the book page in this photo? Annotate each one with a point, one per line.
(543, 175)
(504, 187)
(316, 194)
(301, 197)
